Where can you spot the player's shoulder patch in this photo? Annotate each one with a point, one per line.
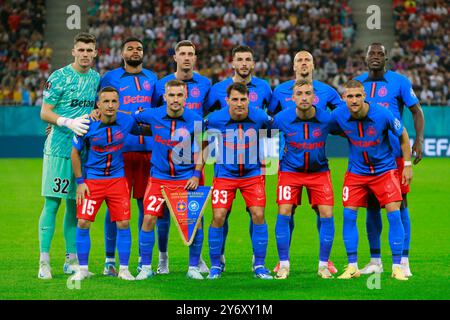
(397, 124)
(48, 85)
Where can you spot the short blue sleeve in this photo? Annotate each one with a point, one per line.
(407, 93)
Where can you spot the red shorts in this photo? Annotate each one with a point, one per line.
(400, 165)
(318, 185)
(137, 171)
(153, 199)
(385, 187)
(116, 194)
(252, 189)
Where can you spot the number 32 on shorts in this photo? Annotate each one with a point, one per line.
(61, 185)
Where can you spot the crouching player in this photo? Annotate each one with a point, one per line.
(103, 179)
(304, 164)
(371, 169)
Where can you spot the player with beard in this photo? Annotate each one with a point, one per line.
(197, 91)
(324, 97)
(260, 94)
(393, 91)
(135, 85)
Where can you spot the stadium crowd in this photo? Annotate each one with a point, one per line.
(275, 30)
(24, 55)
(422, 49)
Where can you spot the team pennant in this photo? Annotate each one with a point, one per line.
(186, 208)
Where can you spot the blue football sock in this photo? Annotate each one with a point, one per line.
(215, 241)
(195, 249)
(407, 227)
(110, 236)
(326, 236)
(283, 236)
(83, 246)
(124, 245)
(374, 226)
(396, 235)
(260, 240)
(162, 227)
(225, 234)
(350, 235)
(146, 244)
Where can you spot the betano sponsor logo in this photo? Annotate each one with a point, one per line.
(136, 99)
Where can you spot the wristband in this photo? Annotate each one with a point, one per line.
(80, 180)
(61, 121)
(197, 173)
(407, 163)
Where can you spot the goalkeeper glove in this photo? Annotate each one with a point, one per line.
(78, 125)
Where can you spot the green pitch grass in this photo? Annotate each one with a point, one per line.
(429, 203)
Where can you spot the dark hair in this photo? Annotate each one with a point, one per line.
(184, 43)
(376, 44)
(302, 82)
(353, 84)
(130, 39)
(107, 89)
(241, 48)
(85, 38)
(174, 83)
(237, 86)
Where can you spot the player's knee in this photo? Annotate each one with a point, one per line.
(84, 224)
(219, 219)
(148, 224)
(258, 216)
(393, 206)
(285, 209)
(124, 224)
(325, 211)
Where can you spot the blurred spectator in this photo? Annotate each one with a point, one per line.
(422, 47)
(24, 55)
(275, 30)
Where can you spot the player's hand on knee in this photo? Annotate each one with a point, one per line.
(192, 183)
(407, 175)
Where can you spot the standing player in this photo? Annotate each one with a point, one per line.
(371, 169)
(304, 164)
(238, 167)
(260, 94)
(173, 164)
(69, 94)
(393, 91)
(197, 91)
(324, 97)
(135, 85)
(104, 174)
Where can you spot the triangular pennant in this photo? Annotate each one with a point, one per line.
(186, 208)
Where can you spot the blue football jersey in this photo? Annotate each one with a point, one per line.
(324, 96)
(304, 140)
(393, 91)
(198, 89)
(174, 142)
(104, 145)
(368, 138)
(259, 94)
(239, 142)
(135, 93)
